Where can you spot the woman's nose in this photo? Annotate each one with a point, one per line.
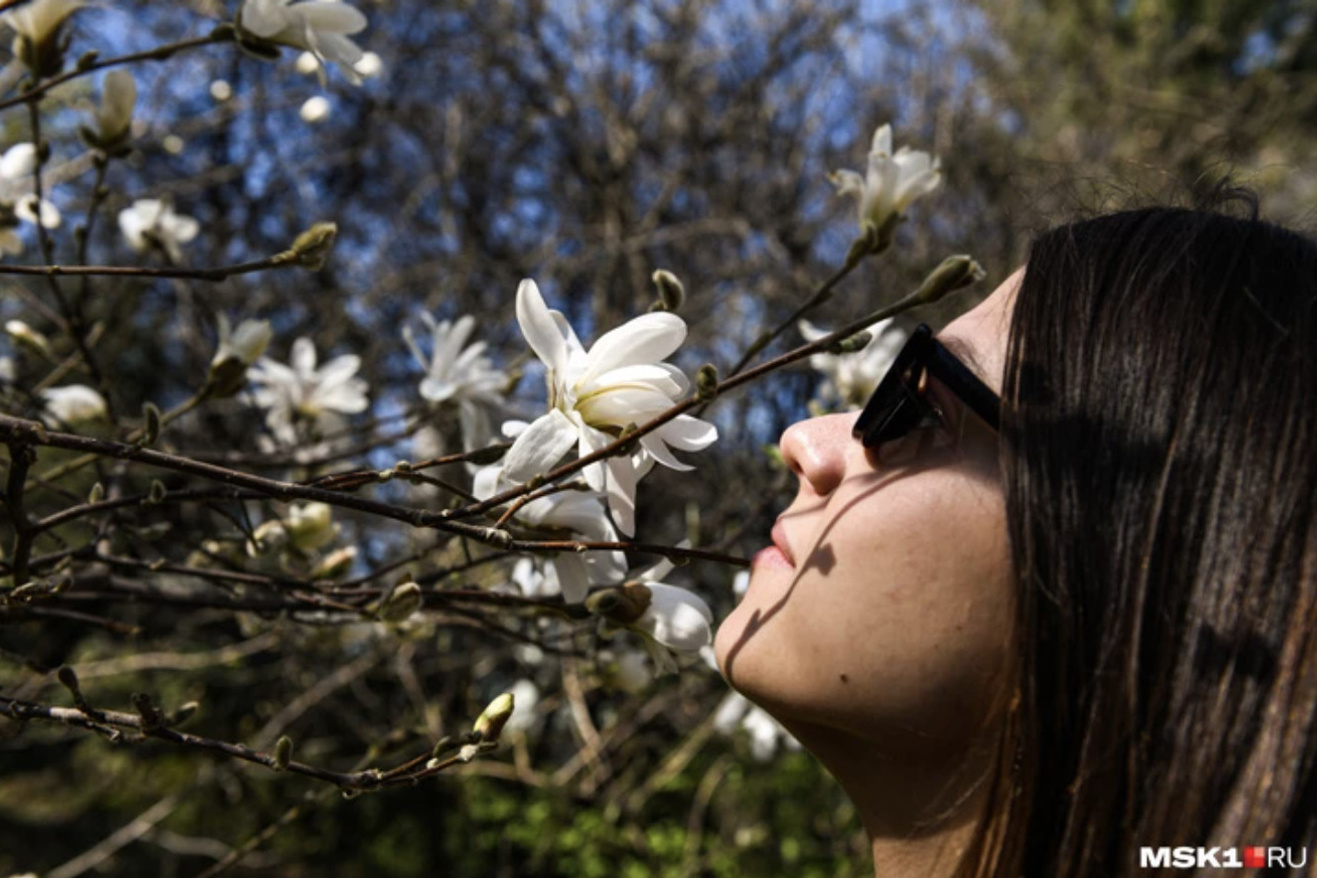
(816, 451)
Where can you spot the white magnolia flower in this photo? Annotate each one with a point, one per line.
(152, 222)
(460, 374)
(16, 168)
(301, 391)
(891, 183)
(320, 27)
(676, 620)
(668, 619)
(114, 117)
(766, 733)
(594, 394)
(72, 405)
(36, 27)
(579, 512)
(851, 378)
(7, 370)
(246, 344)
(237, 351)
(38, 20)
(220, 90)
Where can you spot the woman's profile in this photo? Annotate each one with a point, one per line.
(1048, 606)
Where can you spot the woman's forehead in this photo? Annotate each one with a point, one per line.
(979, 335)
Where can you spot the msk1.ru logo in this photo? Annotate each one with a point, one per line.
(1246, 857)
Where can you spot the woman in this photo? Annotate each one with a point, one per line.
(1039, 646)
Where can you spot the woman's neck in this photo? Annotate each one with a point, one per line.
(920, 812)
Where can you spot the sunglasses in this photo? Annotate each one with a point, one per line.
(900, 403)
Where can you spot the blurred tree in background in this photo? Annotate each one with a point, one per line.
(584, 144)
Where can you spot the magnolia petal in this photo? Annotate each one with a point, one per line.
(809, 331)
(339, 369)
(579, 512)
(539, 446)
(687, 433)
(474, 423)
(621, 491)
(181, 228)
(664, 662)
(18, 161)
(654, 445)
(30, 210)
(118, 98)
(646, 339)
(617, 407)
(727, 717)
(537, 324)
(342, 51)
(677, 618)
(263, 18)
(882, 140)
(663, 377)
(303, 357)
(573, 578)
(347, 397)
(449, 340)
(605, 567)
(331, 18)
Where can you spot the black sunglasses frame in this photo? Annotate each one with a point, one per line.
(898, 404)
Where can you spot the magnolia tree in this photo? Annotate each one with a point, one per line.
(279, 500)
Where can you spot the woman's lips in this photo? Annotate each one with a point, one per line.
(771, 556)
(780, 551)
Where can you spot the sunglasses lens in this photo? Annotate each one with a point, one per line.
(895, 408)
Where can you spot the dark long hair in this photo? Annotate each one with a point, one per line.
(1160, 463)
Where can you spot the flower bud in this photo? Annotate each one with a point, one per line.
(27, 337)
(622, 604)
(36, 28)
(114, 118)
(96, 494)
(954, 273)
(852, 344)
(405, 599)
(158, 491)
(335, 563)
(151, 427)
(283, 752)
(68, 678)
(310, 525)
(671, 292)
(268, 535)
(152, 719)
(490, 723)
(312, 247)
(706, 382)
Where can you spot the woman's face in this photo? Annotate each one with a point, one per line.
(884, 608)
